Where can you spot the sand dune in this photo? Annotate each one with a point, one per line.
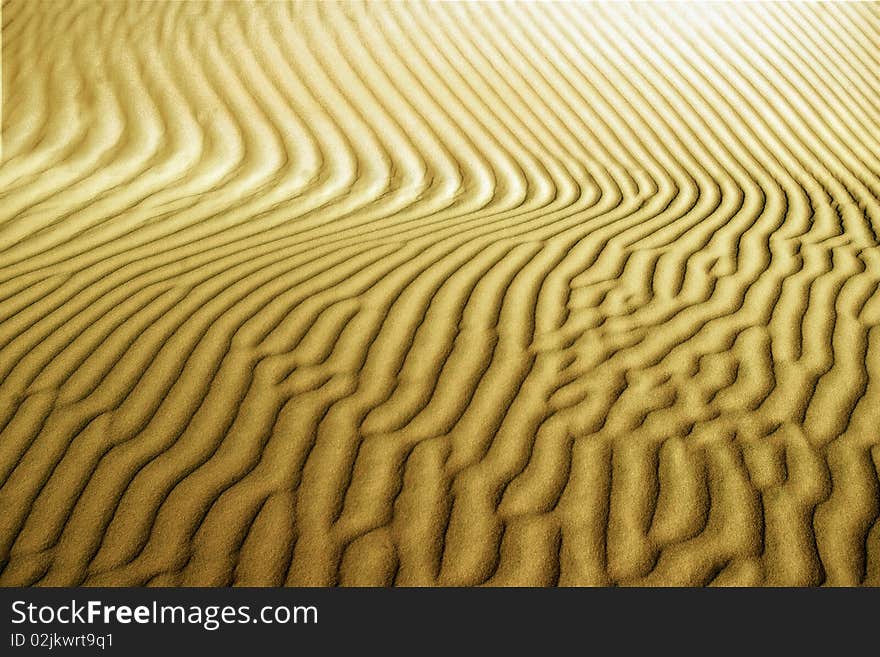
(439, 294)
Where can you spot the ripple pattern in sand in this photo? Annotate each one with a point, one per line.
(424, 294)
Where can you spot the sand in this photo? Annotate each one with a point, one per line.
(439, 294)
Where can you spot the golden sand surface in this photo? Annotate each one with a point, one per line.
(439, 294)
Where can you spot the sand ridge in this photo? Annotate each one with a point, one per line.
(439, 294)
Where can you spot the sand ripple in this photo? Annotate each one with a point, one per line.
(439, 294)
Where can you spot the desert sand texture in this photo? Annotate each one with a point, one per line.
(439, 294)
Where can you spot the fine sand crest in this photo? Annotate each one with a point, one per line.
(423, 294)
